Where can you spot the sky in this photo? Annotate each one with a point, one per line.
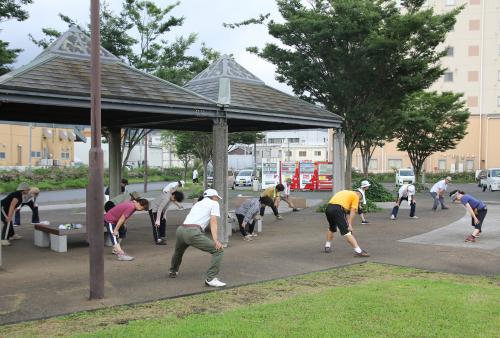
(204, 17)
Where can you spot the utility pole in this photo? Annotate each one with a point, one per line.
(146, 163)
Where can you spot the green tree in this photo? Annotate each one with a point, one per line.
(356, 56)
(432, 123)
(10, 9)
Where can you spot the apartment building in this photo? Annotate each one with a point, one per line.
(473, 68)
(48, 145)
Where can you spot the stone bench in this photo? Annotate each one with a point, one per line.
(57, 239)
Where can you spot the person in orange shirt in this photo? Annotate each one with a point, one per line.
(343, 203)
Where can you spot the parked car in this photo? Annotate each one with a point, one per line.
(481, 177)
(492, 179)
(230, 178)
(245, 178)
(404, 176)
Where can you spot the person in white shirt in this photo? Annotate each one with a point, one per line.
(173, 186)
(405, 193)
(195, 176)
(362, 189)
(190, 233)
(437, 193)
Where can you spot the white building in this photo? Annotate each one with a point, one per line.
(294, 145)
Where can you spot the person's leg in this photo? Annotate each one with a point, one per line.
(240, 222)
(330, 216)
(17, 217)
(413, 206)
(266, 201)
(435, 201)
(202, 242)
(4, 226)
(34, 212)
(343, 226)
(114, 240)
(152, 217)
(395, 210)
(441, 201)
(251, 227)
(180, 248)
(481, 214)
(163, 226)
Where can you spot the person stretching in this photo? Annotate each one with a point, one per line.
(477, 210)
(247, 213)
(343, 203)
(271, 198)
(405, 193)
(158, 214)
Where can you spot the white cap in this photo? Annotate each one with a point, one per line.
(448, 178)
(182, 183)
(411, 189)
(210, 193)
(365, 184)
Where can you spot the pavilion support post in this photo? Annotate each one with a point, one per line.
(95, 190)
(338, 153)
(220, 132)
(115, 162)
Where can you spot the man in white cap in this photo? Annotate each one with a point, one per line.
(405, 193)
(437, 193)
(364, 186)
(190, 233)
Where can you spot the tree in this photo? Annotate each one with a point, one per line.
(10, 9)
(243, 138)
(432, 123)
(355, 56)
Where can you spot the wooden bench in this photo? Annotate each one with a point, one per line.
(57, 239)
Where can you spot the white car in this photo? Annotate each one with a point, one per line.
(404, 176)
(493, 179)
(244, 178)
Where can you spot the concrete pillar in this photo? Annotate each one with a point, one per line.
(220, 174)
(115, 162)
(338, 153)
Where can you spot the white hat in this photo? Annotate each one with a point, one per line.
(182, 182)
(365, 184)
(448, 178)
(210, 193)
(411, 189)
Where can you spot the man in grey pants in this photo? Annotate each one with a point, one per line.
(190, 233)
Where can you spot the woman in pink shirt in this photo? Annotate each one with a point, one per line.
(114, 221)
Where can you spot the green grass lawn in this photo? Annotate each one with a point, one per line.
(367, 300)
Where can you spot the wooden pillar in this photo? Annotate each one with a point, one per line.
(338, 153)
(220, 132)
(115, 162)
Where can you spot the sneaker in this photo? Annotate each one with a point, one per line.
(173, 274)
(444, 208)
(279, 217)
(16, 225)
(247, 238)
(161, 242)
(253, 234)
(365, 222)
(414, 217)
(328, 249)
(5, 242)
(361, 254)
(470, 239)
(295, 209)
(215, 283)
(125, 257)
(393, 217)
(15, 236)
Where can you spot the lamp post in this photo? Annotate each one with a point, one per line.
(95, 190)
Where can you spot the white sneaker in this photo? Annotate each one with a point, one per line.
(15, 236)
(215, 283)
(414, 217)
(279, 217)
(247, 238)
(125, 257)
(253, 234)
(16, 225)
(4, 242)
(392, 217)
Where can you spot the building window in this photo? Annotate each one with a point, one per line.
(449, 2)
(469, 165)
(2, 155)
(373, 164)
(474, 25)
(36, 154)
(395, 163)
(302, 153)
(448, 77)
(442, 165)
(449, 51)
(65, 155)
(288, 153)
(275, 140)
(473, 50)
(472, 101)
(473, 76)
(317, 153)
(294, 140)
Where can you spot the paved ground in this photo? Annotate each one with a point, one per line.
(37, 282)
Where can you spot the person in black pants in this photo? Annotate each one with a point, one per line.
(158, 214)
(405, 193)
(270, 197)
(477, 209)
(247, 213)
(7, 209)
(30, 201)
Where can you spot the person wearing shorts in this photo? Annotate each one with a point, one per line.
(114, 222)
(343, 203)
(477, 210)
